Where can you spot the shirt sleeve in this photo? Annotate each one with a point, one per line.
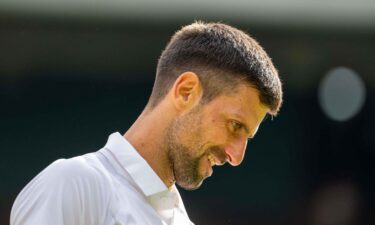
(68, 192)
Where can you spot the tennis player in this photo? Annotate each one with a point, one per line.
(214, 85)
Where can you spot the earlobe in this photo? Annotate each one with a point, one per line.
(187, 91)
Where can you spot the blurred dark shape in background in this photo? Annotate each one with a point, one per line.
(336, 203)
(71, 74)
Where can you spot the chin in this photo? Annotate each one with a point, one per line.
(190, 186)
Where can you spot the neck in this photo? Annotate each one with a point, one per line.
(147, 135)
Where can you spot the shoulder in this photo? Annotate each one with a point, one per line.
(74, 168)
(80, 175)
(73, 189)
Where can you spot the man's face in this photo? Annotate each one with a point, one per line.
(213, 134)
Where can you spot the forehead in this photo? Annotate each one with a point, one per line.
(243, 102)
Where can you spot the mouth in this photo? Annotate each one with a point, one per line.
(217, 157)
(211, 159)
(214, 160)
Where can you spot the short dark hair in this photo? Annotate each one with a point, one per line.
(222, 57)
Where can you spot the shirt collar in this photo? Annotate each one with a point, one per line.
(130, 160)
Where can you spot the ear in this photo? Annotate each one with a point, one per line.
(186, 91)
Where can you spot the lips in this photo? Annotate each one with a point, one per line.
(217, 156)
(210, 163)
(211, 159)
(214, 159)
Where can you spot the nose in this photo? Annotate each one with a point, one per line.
(236, 151)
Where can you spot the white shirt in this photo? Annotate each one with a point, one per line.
(113, 186)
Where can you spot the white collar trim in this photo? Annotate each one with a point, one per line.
(130, 160)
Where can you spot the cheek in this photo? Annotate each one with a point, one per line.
(187, 132)
(192, 136)
(217, 131)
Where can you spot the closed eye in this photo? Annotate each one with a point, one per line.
(236, 126)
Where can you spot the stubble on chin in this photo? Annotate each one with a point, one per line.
(184, 157)
(184, 166)
(182, 162)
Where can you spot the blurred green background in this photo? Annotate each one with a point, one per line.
(72, 73)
